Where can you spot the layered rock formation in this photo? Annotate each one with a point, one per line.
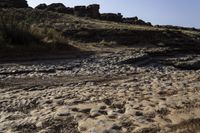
(13, 4)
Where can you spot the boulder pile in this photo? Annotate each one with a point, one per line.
(13, 4)
(112, 17)
(55, 7)
(135, 20)
(80, 11)
(91, 11)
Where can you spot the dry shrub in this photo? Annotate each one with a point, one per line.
(14, 32)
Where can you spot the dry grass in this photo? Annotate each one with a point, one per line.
(50, 26)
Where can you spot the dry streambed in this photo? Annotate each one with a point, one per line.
(125, 91)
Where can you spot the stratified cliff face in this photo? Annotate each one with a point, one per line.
(13, 3)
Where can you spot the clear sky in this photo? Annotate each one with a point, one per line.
(163, 12)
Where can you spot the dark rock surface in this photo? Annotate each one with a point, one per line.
(93, 11)
(130, 20)
(135, 20)
(112, 17)
(13, 4)
(41, 6)
(80, 11)
(57, 7)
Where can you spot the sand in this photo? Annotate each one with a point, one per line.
(113, 98)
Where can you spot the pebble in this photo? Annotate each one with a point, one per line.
(102, 115)
(94, 113)
(112, 114)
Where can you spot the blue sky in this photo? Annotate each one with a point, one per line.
(173, 12)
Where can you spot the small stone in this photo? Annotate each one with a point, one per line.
(107, 101)
(112, 114)
(92, 98)
(118, 105)
(116, 127)
(138, 113)
(60, 102)
(124, 130)
(162, 92)
(48, 101)
(86, 110)
(75, 109)
(162, 109)
(39, 124)
(81, 129)
(94, 113)
(179, 104)
(102, 107)
(63, 111)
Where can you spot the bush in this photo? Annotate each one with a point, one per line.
(14, 32)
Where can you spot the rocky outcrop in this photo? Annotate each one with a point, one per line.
(80, 11)
(55, 7)
(135, 20)
(13, 4)
(41, 6)
(130, 20)
(112, 17)
(176, 27)
(141, 22)
(93, 11)
(119, 18)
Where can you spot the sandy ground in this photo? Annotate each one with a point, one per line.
(99, 94)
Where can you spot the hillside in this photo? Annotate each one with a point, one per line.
(68, 74)
(51, 26)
